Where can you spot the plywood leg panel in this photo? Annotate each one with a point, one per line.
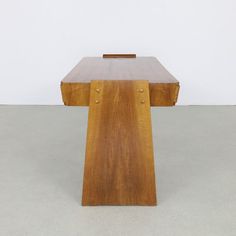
(119, 163)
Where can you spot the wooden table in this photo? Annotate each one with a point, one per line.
(119, 90)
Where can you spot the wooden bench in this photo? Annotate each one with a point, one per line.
(119, 90)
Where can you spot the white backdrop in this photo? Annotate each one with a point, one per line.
(40, 42)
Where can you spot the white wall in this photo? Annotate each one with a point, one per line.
(40, 41)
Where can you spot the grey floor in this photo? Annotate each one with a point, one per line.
(41, 169)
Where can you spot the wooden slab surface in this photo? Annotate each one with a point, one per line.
(119, 164)
(163, 86)
(139, 68)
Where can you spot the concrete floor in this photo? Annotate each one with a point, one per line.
(41, 168)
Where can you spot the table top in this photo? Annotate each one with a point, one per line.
(140, 68)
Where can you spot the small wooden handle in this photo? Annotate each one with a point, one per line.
(119, 55)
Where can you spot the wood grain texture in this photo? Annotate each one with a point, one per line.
(140, 68)
(119, 164)
(161, 94)
(163, 86)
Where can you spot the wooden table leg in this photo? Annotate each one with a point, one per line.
(119, 163)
